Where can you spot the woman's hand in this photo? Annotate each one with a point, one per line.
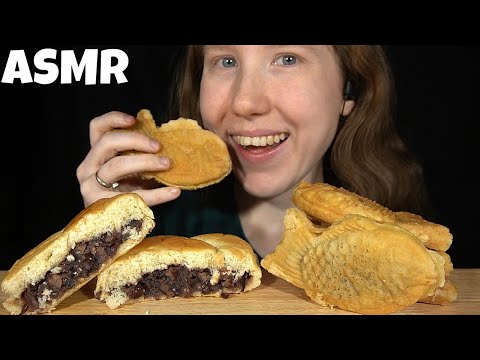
(103, 160)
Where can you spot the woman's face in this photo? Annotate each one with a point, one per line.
(277, 108)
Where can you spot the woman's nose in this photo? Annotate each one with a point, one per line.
(250, 95)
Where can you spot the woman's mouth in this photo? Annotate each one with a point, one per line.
(260, 141)
(259, 149)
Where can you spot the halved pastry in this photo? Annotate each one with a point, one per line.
(164, 267)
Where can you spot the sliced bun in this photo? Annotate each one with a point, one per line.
(68, 259)
(173, 266)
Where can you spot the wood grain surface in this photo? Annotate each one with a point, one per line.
(273, 297)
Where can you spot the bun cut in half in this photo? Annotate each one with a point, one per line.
(163, 267)
(68, 259)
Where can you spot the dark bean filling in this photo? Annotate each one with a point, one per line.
(178, 280)
(84, 259)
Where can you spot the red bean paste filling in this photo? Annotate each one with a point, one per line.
(178, 280)
(88, 257)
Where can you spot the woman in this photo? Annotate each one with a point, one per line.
(287, 113)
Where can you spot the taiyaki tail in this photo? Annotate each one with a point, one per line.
(298, 236)
(443, 295)
(448, 262)
(433, 236)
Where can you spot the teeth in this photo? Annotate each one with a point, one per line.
(260, 140)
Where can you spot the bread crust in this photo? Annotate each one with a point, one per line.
(217, 252)
(102, 216)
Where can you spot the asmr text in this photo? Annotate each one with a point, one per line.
(50, 65)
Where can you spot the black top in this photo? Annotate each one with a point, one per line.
(204, 211)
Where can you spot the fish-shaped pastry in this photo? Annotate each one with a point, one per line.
(199, 157)
(357, 264)
(329, 204)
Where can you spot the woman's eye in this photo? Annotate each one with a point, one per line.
(286, 60)
(228, 62)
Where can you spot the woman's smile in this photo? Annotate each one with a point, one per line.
(258, 149)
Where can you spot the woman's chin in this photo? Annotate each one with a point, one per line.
(263, 190)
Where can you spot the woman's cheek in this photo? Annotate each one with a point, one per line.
(205, 106)
(211, 108)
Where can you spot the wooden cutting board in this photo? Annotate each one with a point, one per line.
(274, 296)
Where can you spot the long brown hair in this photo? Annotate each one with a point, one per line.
(367, 156)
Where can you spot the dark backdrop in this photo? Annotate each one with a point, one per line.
(45, 137)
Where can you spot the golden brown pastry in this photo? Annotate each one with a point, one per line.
(68, 259)
(434, 236)
(443, 295)
(448, 262)
(199, 157)
(329, 204)
(164, 267)
(357, 264)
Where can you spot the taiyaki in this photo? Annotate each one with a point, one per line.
(356, 264)
(199, 157)
(329, 204)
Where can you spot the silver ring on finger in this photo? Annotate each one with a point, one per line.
(106, 185)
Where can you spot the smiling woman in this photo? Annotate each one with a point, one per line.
(267, 91)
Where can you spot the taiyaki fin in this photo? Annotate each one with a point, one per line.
(298, 236)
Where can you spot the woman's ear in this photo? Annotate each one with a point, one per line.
(347, 107)
(348, 99)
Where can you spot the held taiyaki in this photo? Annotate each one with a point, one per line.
(199, 157)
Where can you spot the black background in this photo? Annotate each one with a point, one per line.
(45, 136)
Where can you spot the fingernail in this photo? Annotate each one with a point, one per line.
(154, 144)
(174, 191)
(164, 161)
(128, 119)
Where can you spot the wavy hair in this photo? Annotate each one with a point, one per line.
(367, 155)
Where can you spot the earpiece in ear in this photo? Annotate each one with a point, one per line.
(348, 93)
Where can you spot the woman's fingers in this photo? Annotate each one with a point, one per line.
(159, 196)
(121, 166)
(110, 145)
(104, 166)
(108, 122)
(151, 197)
